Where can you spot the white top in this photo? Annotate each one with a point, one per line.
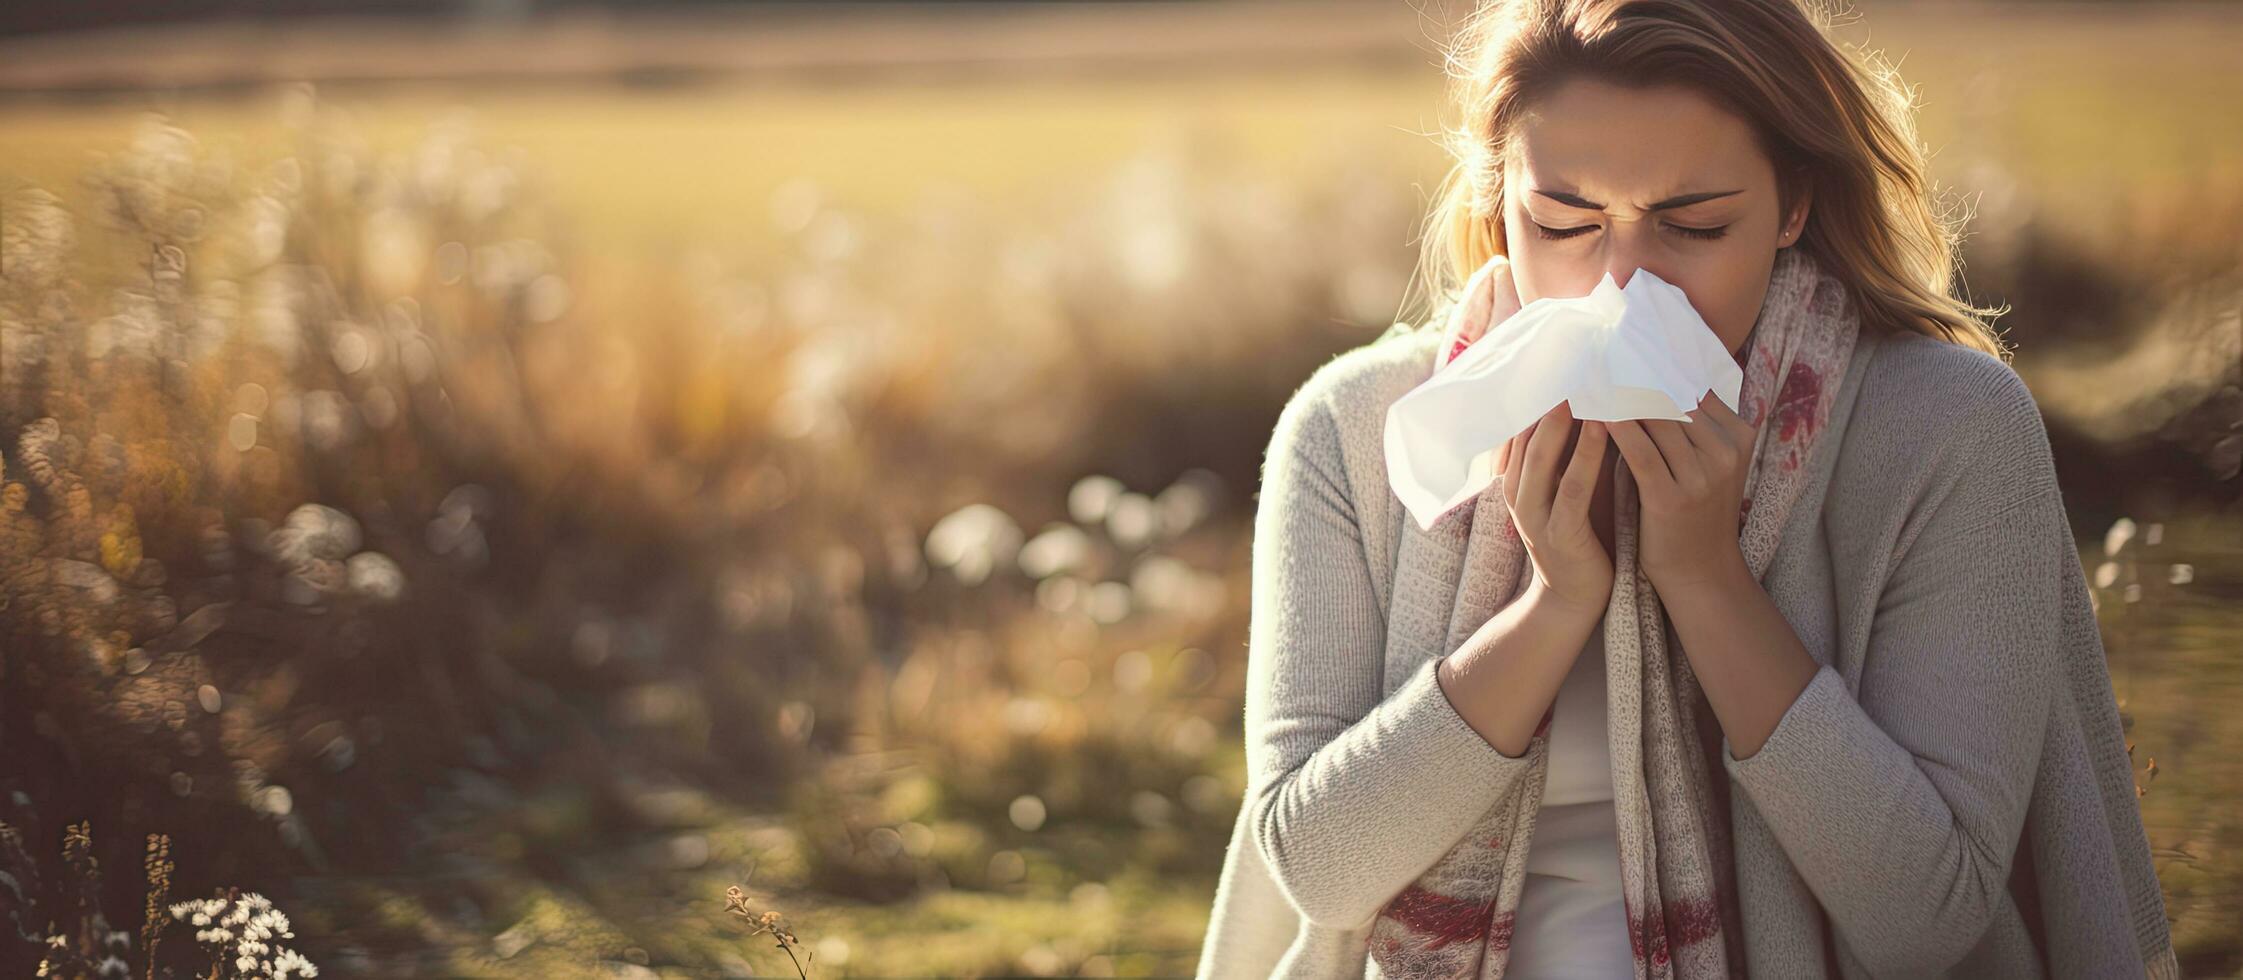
(1572, 921)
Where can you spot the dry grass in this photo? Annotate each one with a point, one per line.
(491, 533)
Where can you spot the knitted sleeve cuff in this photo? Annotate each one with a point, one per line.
(1380, 804)
(1459, 740)
(1788, 746)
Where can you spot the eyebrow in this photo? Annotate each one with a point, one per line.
(1678, 201)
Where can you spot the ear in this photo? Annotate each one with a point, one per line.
(1795, 223)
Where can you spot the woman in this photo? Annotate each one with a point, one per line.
(1809, 688)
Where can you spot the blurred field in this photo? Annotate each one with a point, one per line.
(841, 490)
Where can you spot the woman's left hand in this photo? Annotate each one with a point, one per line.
(1691, 478)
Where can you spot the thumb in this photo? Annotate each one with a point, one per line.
(1485, 299)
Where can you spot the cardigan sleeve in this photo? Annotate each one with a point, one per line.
(1352, 796)
(1900, 803)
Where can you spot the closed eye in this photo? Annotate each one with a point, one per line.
(1557, 234)
(1560, 234)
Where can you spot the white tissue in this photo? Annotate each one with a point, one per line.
(1638, 353)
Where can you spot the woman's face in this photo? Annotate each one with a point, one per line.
(1610, 179)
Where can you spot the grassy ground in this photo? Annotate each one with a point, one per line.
(2174, 669)
(2099, 144)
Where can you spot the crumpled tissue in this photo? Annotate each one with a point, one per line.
(1637, 353)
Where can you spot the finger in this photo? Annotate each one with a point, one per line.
(1725, 441)
(1580, 481)
(1717, 409)
(1725, 418)
(1643, 458)
(1699, 432)
(1750, 427)
(1540, 477)
(1675, 448)
(1514, 461)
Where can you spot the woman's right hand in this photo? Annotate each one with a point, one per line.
(1491, 296)
(1550, 507)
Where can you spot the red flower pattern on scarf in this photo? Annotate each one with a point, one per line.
(1805, 338)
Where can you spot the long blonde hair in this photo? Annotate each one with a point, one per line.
(1837, 120)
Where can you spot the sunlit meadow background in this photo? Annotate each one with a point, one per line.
(492, 486)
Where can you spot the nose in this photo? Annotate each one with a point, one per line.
(1627, 253)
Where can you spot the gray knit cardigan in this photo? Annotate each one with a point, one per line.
(1950, 796)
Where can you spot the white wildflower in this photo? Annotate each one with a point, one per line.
(289, 961)
(242, 930)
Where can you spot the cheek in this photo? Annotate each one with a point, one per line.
(1545, 275)
(1542, 268)
(1729, 308)
(1536, 270)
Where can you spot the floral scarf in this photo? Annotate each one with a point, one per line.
(1456, 919)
